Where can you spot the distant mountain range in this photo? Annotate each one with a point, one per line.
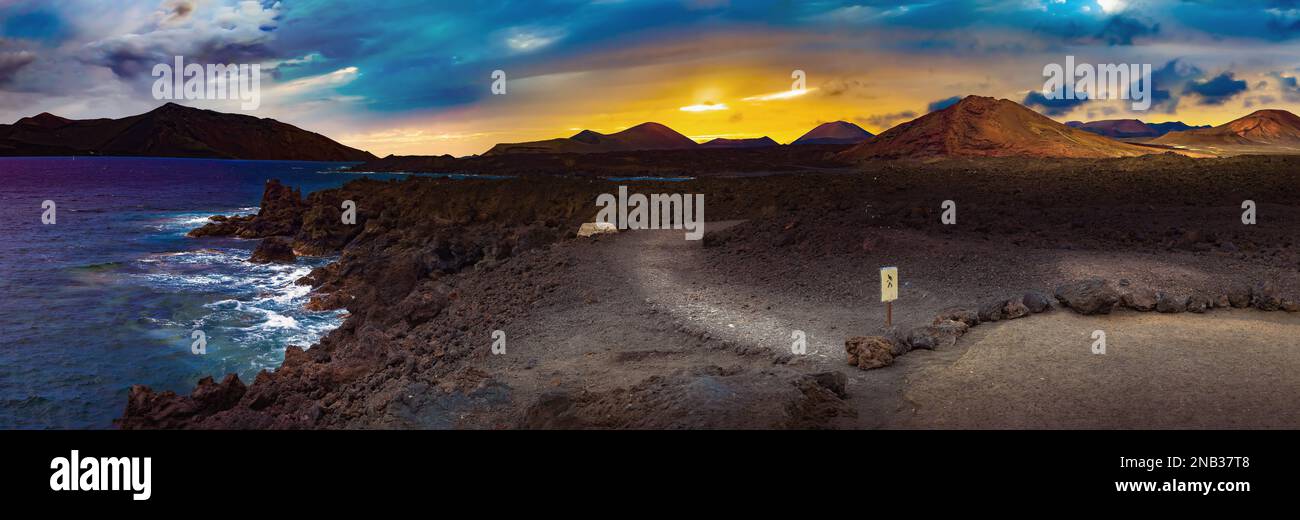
(1263, 131)
(835, 132)
(645, 136)
(1131, 128)
(973, 127)
(655, 136)
(987, 127)
(759, 142)
(172, 130)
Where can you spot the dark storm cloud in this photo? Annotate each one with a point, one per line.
(1121, 30)
(13, 61)
(942, 104)
(1216, 90)
(241, 33)
(414, 55)
(1052, 107)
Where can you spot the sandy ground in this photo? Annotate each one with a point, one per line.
(1227, 369)
(726, 359)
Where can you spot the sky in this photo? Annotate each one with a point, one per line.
(415, 77)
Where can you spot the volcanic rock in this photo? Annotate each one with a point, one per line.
(1143, 300)
(274, 249)
(992, 311)
(148, 409)
(967, 316)
(280, 214)
(943, 334)
(1170, 304)
(868, 352)
(1093, 296)
(596, 228)
(1265, 297)
(1239, 296)
(1036, 302)
(1014, 308)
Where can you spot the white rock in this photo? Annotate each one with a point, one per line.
(596, 228)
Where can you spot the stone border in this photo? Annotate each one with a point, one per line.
(1087, 297)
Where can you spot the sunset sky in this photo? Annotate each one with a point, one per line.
(409, 77)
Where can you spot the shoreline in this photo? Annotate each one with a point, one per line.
(445, 263)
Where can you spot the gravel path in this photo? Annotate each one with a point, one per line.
(655, 332)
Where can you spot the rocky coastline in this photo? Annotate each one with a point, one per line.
(433, 266)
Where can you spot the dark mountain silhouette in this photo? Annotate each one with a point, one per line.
(1174, 126)
(1263, 131)
(758, 142)
(645, 136)
(835, 132)
(1130, 128)
(987, 127)
(172, 130)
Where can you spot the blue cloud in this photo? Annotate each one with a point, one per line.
(1169, 82)
(1053, 107)
(1217, 90)
(942, 104)
(1121, 30)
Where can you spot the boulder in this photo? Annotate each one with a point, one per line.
(868, 352)
(274, 249)
(1092, 296)
(1014, 308)
(1220, 301)
(596, 228)
(942, 334)
(1170, 304)
(967, 316)
(1198, 303)
(1239, 296)
(1036, 302)
(1142, 300)
(992, 311)
(1265, 297)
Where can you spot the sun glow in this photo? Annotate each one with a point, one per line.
(704, 107)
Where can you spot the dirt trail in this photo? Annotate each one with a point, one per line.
(722, 355)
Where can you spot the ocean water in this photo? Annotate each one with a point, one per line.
(108, 296)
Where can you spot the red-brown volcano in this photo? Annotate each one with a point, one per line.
(1263, 131)
(987, 127)
(834, 132)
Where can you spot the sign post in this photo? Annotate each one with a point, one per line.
(889, 292)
